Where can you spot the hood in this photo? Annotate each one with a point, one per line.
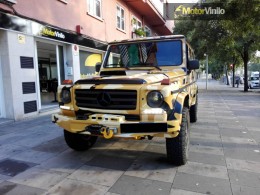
(140, 78)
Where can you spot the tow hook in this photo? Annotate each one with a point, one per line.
(106, 132)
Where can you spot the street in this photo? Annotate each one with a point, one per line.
(224, 155)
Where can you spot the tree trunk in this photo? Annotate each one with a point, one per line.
(245, 60)
(233, 75)
(227, 75)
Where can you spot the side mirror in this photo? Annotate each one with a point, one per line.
(98, 66)
(193, 64)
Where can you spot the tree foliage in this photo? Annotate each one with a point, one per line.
(229, 41)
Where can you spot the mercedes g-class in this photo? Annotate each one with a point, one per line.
(143, 88)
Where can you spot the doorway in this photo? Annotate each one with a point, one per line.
(49, 73)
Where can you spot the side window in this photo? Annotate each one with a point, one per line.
(120, 17)
(94, 8)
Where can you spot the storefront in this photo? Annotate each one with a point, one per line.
(36, 59)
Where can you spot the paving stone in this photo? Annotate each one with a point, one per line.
(243, 165)
(203, 130)
(206, 149)
(244, 178)
(55, 145)
(68, 161)
(256, 135)
(205, 142)
(244, 190)
(39, 178)
(36, 138)
(33, 156)
(183, 192)
(10, 167)
(236, 151)
(96, 175)
(9, 150)
(128, 185)
(71, 187)
(207, 158)
(214, 171)
(201, 184)
(156, 149)
(231, 132)
(237, 140)
(148, 167)
(9, 188)
(129, 145)
(114, 159)
(205, 136)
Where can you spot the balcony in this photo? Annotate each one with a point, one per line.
(151, 15)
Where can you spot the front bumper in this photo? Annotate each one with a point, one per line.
(108, 126)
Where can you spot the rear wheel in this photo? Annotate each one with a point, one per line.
(194, 111)
(177, 148)
(79, 142)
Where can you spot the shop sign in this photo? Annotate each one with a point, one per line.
(52, 33)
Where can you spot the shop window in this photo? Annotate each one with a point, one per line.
(88, 62)
(94, 8)
(120, 18)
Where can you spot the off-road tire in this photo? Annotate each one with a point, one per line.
(79, 142)
(177, 148)
(194, 111)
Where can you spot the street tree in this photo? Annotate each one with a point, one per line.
(227, 40)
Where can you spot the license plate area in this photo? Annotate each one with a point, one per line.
(107, 118)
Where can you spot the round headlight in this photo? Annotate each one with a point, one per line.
(65, 96)
(154, 99)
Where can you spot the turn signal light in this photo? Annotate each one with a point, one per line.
(67, 82)
(166, 82)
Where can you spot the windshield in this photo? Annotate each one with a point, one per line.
(145, 54)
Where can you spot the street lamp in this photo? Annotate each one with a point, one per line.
(207, 69)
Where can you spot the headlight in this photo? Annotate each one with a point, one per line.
(154, 99)
(65, 95)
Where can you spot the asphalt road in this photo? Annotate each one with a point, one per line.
(224, 155)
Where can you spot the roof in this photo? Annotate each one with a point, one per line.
(147, 39)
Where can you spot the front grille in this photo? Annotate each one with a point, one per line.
(106, 99)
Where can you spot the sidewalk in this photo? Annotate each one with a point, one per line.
(224, 155)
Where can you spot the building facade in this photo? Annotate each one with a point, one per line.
(42, 44)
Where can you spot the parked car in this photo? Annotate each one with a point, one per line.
(253, 82)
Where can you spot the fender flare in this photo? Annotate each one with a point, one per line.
(182, 100)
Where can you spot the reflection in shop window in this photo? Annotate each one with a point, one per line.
(88, 61)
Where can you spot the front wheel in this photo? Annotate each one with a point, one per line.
(79, 142)
(177, 148)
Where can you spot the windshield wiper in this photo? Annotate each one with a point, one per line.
(145, 65)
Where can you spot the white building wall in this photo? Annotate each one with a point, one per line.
(7, 96)
(19, 75)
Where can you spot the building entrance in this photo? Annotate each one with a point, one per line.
(49, 57)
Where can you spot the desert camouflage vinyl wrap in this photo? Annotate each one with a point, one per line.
(180, 91)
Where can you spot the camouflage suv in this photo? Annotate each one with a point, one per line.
(145, 88)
